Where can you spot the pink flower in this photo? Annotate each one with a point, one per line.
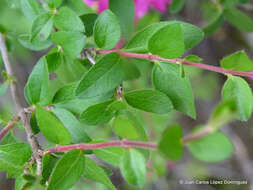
(141, 6)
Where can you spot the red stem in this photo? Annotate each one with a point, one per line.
(84, 146)
(8, 127)
(177, 61)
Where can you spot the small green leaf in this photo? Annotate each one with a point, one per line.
(133, 167)
(97, 114)
(67, 171)
(236, 89)
(77, 106)
(94, 172)
(3, 88)
(176, 5)
(149, 100)
(71, 42)
(48, 164)
(41, 27)
(67, 20)
(166, 78)
(103, 77)
(75, 128)
(54, 3)
(111, 155)
(167, 42)
(65, 93)
(130, 69)
(239, 19)
(124, 128)
(54, 59)
(89, 22)
(31, 9)
(125, 11)
(193, 58)
(211, 148)
(37, 86)
(79, 7)
(51, 127)
(192, 35)
(170, 144)
(13, 157)
(107, 30)
(238, 61)
(24, 40)
(34, 124)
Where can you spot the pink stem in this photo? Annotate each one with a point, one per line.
(177, 61)
(9, 126)
(84, 146)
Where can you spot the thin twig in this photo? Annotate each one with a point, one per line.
(84, 146)
(192, 137)
(177, 61)
(9, 126)
(24, 116)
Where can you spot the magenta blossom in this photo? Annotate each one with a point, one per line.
(141, 6)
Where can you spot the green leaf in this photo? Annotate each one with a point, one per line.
(107, 30)
(192, 35)
(149, 100)
(133, 167)
(48, 163)
(124, 128)
(77, 106)
(34, 124)
(54, 3)
(13, 157)
(236, 89)
(41, 27)
(67, 171)
(166, 78)
(130, 69)
(3, 88)
(111, 155)
(214, 25)
(176, 5)
(193, 58)
(31, 9)
(67, 20)
(167, 42)
(54, 59)
(51, 127)
(37, 86)
(211, 148)
(65, 93)
(75, 128)
(24, 40)
(89, 22)
(79, 7)
(104, 76)
(94, 172)
(8, 139)
(239, 19)
(71, 42)
(97, 114)
(125, 11)
(238, 61)
(139, 43)
(170, 144)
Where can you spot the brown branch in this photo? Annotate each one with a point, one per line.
(191, 137)
(23, 115)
